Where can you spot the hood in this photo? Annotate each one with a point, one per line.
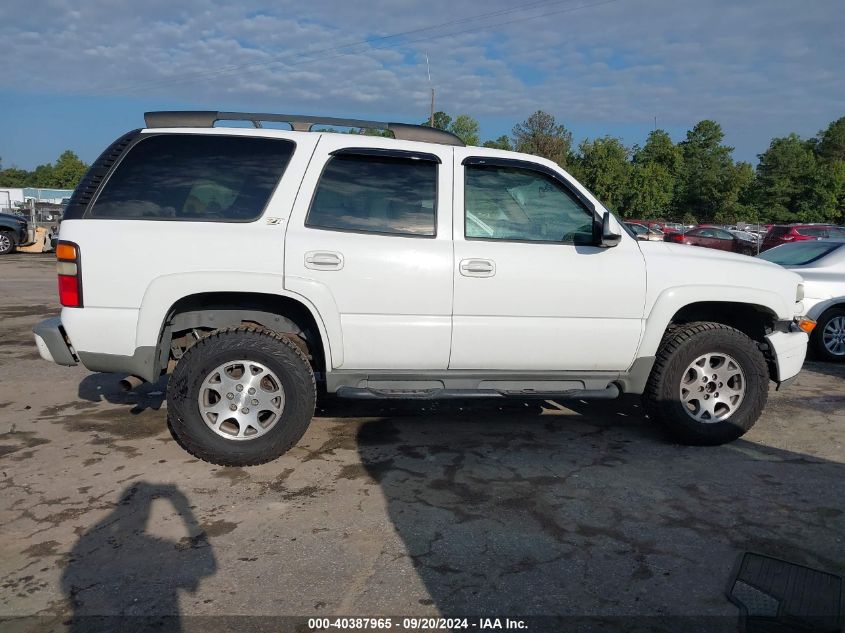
(11, 216)
(683, 266)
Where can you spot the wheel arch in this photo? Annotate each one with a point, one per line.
(204, 311)
(752, 313)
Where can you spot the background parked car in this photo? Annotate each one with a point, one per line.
(754, 238)
(15, 231)
(643, 233)
(714, 237)
(786, 233)
(660, 225)
(822, 265)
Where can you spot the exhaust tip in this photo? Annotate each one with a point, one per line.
(131, 382)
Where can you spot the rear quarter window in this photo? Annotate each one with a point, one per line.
(194, 178)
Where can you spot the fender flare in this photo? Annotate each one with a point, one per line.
(164, 291)
(675, 298)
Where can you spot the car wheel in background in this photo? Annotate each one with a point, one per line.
(7, 244)
(828, 337)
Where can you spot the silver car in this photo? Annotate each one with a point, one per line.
(822, 265)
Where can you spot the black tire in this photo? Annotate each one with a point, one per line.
(816, 338)
(278, 353)
(7, 243)
(681, 346)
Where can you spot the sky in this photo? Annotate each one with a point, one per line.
(79, 73)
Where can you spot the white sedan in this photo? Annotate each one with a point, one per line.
(822, 265)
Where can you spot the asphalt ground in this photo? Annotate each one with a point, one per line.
(464, 509)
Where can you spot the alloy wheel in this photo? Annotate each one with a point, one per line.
(712, 387)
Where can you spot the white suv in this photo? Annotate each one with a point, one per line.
(256, 264)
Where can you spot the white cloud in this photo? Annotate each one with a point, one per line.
(770, 64)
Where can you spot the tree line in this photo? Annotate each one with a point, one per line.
(695, 180)
(65, 173)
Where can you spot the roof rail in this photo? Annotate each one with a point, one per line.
(298, 122)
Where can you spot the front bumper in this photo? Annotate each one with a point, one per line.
(52, 342)
(788, 350)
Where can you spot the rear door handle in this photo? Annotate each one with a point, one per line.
(323, 260)
(477, 268)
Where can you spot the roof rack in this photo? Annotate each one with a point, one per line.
(298, 122)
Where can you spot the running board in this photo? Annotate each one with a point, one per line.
(368, 393)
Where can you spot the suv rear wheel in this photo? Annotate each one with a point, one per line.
(241, 397)
(709, 384)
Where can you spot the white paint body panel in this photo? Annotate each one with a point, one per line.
(393, 293)
(679, 275)
(790, 349)
(548, 306)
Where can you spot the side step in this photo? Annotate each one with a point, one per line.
(369, 393)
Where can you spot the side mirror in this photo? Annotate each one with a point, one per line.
(609, 239)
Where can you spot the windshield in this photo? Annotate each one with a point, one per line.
(799, 253)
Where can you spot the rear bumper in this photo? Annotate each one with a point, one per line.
(788, 352)
(52, 343)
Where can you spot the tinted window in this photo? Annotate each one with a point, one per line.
(512, 203)
(835, 231)
(702, 233)
(201, 178)
(812, 231)
(799, 253)
(639, 229)
(722, 235)
(376, 194)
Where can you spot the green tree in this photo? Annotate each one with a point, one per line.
(650, 191)
(441, 121)
(831, 142)
(14, 177)
(43, 176)
(68, 170)
(657, 166)
(783, 176)
(605, 170)
(540, 135)
(465, 128)
(660, 149)
(503, 142)
(709, 181)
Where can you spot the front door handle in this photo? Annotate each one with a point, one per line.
(477, 268)
(323, 260)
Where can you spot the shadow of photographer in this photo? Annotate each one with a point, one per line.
(121, 575)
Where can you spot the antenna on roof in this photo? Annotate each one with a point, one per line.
(428, 68)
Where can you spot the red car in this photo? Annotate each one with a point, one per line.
(786, 233)
(714, 237)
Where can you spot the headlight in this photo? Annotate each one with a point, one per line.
(799, 293)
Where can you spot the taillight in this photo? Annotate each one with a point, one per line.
(70, 275)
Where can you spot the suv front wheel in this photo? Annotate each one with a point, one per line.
(241, 397)
(709, 383)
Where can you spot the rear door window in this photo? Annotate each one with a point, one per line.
(196, 177)
(385, 194)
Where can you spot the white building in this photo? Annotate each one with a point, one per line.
(17, 197)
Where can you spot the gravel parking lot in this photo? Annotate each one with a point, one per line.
(460, 509)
